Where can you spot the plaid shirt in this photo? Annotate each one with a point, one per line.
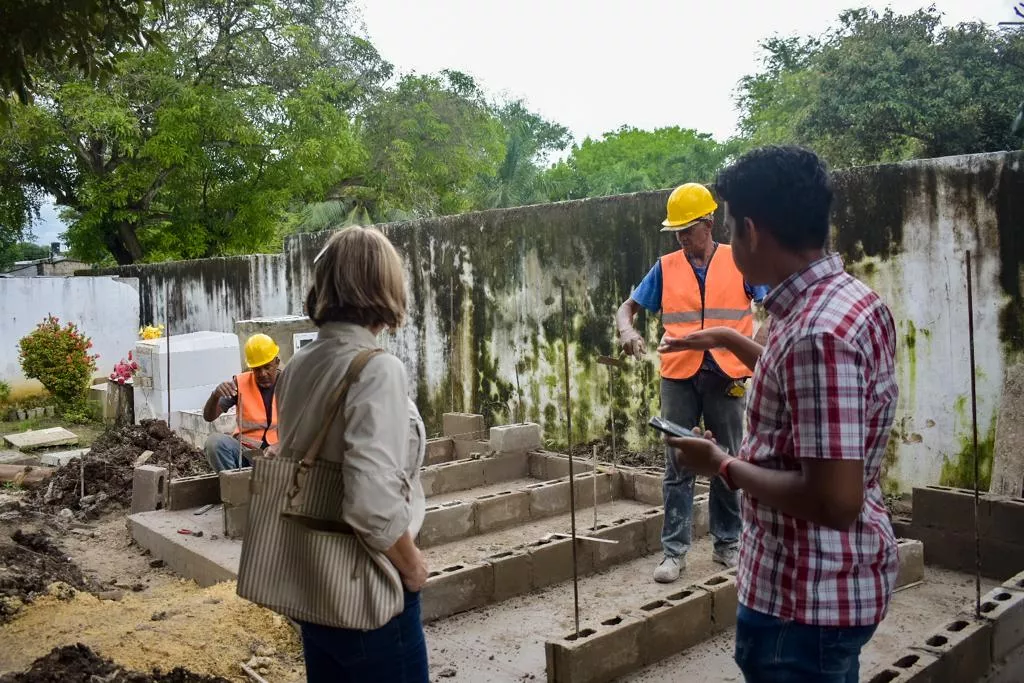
(825, 387)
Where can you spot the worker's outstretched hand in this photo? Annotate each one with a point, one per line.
(632, 343)
(702, 455)
(227, 389)
(702, 340)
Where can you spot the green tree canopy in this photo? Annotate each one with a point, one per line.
(21, 251)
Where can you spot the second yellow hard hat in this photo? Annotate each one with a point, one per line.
(260, 349)
(687, 204)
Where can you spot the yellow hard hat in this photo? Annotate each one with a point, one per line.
(260, 350)
(686, 205)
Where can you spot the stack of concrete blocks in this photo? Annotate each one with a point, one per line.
(467, 432)
(199, 362)
(234, 494)
(282, 329)
(194, 428)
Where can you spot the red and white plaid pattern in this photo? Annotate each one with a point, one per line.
(825, 387)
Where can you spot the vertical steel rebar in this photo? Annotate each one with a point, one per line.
(974, 438)
(167, 345)
(572, 474)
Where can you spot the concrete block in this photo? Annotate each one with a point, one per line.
(942, 507)
(701, 515)
(519, 438)
(501, 510)
(428, 480)
(654, 521)
(647, 489)
(192, 492)
(558, 466)
(448, 522)
(631, 542)
(585, 489)
(513, 574)
(1005, 610)
(911, 667)
(626, 484)
(1006, 519)
(18, 458)
(964, 649)
(42, 438)
(1010, 670)
(457, 589)
(911, 556)
(499, 468)
(234, 486)
(597, 654)
(548, 499)
(149, 487)
(675, 623)
(61, 458)
(954, 550)
(1015, 582)
(236, 517)
(459, 475)
(438, 451)
(551, 560)
(724, 602)
(470, 449)
(465, 426)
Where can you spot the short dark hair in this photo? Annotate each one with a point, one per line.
(784, 189)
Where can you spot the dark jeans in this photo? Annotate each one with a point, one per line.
(769, 650)
(395, 652)
(685, 402)
(224, 452)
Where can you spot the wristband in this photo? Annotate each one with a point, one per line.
(723, 472)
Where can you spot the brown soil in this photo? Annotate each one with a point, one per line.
(31, 565)
(655, 457)
(109, 468)
(74, 663)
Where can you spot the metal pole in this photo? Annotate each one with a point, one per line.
(594, 528)
(572, 475)
(974, 436)
(167, 345)
(611, 409)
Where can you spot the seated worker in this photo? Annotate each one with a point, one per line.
(256, 414)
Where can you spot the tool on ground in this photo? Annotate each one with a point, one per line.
(612, 363)
(553, 536)
(974, 436)
(206, 508)
(189, 532)
(572, 475)
(595, 488)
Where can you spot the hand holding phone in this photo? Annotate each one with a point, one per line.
(672, 429)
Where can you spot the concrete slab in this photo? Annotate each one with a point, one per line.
(42, 438)
(208, 559)
(61, 458)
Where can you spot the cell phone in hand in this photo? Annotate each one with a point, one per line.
(671, 428)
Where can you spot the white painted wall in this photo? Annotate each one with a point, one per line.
(104, 308)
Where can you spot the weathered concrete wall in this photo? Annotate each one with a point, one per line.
(485, 326)
(104, 308)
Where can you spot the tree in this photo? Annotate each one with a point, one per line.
(21, 251)
(885, 87)
(631, 160)
(200, 143)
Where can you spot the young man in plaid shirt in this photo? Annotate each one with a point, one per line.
(817, 552)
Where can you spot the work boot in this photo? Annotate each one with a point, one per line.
(668, 570)
(730, 557)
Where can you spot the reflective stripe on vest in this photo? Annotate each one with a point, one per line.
(725, 304)
(251, 414)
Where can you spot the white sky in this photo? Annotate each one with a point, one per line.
(595, 65)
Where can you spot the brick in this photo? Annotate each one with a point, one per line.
(1005, 610)
(439, 451)
(1006, 519)
(502, 510)
(519, 438)
(910, 667)
(457, 589)
(192, 492)
(647, 489)
(464, 426)
(956, 551)
(631, 543)
(654, 522)
(236, 517)
(627, 484)
(548, 499)
(964, 649)
(551, 560)
(459, 475)
(724, 602)
(465, 450)
(675, 623)
(149, 488)
(911, 556)
(1015, 582)
(513, 574)
(601, 653)
(499, 468)
(448, 522)
(234, 486)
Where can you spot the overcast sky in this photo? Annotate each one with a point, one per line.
(596, 65)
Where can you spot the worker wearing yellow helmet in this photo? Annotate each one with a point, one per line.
(252, 395)
(694, 287)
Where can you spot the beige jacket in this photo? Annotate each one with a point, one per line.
(386, 439)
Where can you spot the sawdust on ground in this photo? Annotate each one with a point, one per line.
(210, 630)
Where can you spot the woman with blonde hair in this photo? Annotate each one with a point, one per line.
(379, 439)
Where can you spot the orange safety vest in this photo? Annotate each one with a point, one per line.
(683, 311)
(251, 414)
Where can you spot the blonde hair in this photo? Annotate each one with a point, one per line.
(358, 278)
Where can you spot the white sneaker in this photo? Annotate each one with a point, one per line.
(668, 570)
(729, 557)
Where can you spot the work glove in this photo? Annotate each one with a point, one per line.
(632, 343)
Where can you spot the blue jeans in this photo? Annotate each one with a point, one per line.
(224, 452)
(685, 402)
(769, 650)
(395, 652)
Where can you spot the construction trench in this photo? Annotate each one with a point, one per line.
(498, 605)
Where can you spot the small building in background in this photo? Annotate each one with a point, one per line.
(54, 264)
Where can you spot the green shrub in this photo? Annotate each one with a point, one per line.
(58, 356)
(5, 392)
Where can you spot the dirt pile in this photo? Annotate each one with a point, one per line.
(31, 565)
(77, 663)
(109, 467)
